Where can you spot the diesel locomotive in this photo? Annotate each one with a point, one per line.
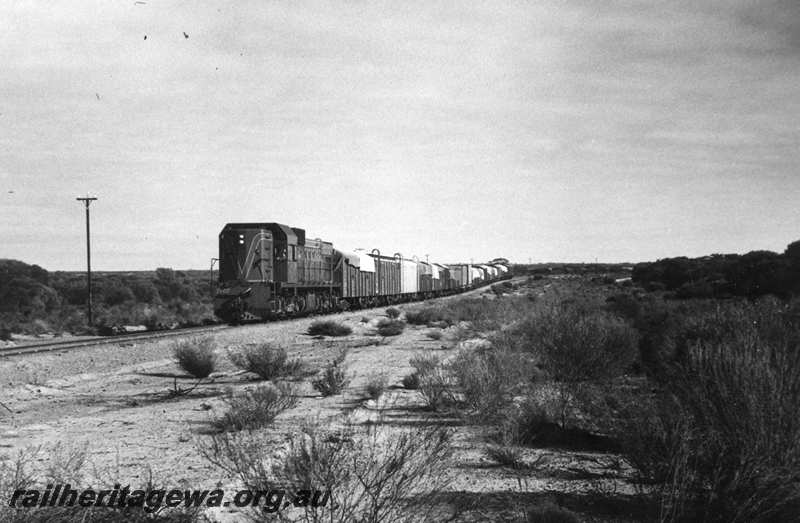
(270, 270)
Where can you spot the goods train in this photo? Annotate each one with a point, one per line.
(270, 270)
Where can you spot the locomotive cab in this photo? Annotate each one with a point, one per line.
(258, 267)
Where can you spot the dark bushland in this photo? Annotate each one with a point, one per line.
(329, 328)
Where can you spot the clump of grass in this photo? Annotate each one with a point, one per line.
(265, 360)
(376, 385)
(387, 327)
(506, 455)
(364, 319)
(333, 379)
(393, 313)
(257, 407)
(329, 328)
(196, 356)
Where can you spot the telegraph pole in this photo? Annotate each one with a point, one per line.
(211, 275)
(87, 200)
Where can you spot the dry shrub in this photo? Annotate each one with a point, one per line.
(723, 442)
(393, 313)
(576, 345)
(488, 315)
(578, 349)
(387, 327)
(256, 407)
(425, 316)
(67, 464)
(265, 360)
(434, 382)
(376, 384)
(487, 379)
(328, 328)
(334, 378)
(196, 356)
(482, 314)
(373, 473)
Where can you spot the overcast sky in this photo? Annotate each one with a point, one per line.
(556, 130)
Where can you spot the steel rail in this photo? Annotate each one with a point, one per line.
(34, 348)
(17, 350)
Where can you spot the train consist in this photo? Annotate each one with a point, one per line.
(269, 270)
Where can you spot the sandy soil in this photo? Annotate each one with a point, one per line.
(114, 399)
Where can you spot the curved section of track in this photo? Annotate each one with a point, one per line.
(106, 340)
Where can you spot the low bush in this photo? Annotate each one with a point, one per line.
(265, 360)
(372, 473)
(376, 384)
(387, 327)
(393, 313)
(576, 345)
(329, 328)
(488, 315)
(488, 378)
(333, 379)
(196, 356)
(426, 316)
(255, 408)
(719, 437)
(66, 464)
(437, 387)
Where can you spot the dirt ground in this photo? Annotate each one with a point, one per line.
(115, 401)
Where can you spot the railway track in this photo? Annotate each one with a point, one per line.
(68, 345)
(106, 340)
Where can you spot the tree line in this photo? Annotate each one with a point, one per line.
(36, 301)
(750, 275)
